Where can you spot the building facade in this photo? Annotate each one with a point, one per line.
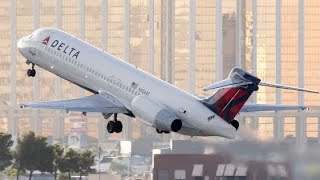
(215, 166)
(190, 44)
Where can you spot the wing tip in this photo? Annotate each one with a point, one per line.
(305, 108)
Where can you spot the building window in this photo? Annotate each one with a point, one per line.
(266, 127)
(163, 175)
(312, 127)
(179, 174)
(247, 122)
(289, 124)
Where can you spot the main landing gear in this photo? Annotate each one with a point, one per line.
(161, 131)
(115, 125)
(31, 72)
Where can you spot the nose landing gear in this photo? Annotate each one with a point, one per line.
(31, 72)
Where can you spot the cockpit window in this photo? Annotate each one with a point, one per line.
(37, 35)
(40, 34)
(30, 37)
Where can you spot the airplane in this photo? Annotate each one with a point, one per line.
(119, 87)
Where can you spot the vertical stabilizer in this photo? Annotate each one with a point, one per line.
(232, 94)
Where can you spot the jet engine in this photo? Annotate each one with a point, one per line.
(155, 114)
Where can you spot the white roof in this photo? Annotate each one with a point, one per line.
(197, 170)
(241, 170)
(229, 171)
(220, 169)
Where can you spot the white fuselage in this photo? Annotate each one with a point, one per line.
(98, 71)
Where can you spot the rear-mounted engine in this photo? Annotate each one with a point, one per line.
(155, 114)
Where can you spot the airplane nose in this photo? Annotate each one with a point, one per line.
(20, 44)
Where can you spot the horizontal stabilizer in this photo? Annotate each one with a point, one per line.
(270, 107)
(239, 78)
(227, 83)
(286, 87)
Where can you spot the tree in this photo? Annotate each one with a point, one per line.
(33, 153)
(5, 154)
(58, 152)
(10, 171)
(63, 176)
(69, 162)
(85, 163)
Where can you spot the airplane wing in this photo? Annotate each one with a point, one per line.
(104, 103)
(270, 107)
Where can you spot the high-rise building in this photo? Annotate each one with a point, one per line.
(188, 43)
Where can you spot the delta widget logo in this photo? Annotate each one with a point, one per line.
(45, 41)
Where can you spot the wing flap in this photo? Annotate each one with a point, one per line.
(104, 103)
(270, 107)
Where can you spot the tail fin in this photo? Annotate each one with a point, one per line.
(234, 91)
(232, 94)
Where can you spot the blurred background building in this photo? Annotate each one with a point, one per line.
(188, 43)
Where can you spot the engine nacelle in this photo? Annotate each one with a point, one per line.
(155, 114)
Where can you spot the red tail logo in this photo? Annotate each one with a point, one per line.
(46, 40)
(230, 102)
(227, 102)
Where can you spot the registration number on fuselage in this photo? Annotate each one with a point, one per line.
(143, 91)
